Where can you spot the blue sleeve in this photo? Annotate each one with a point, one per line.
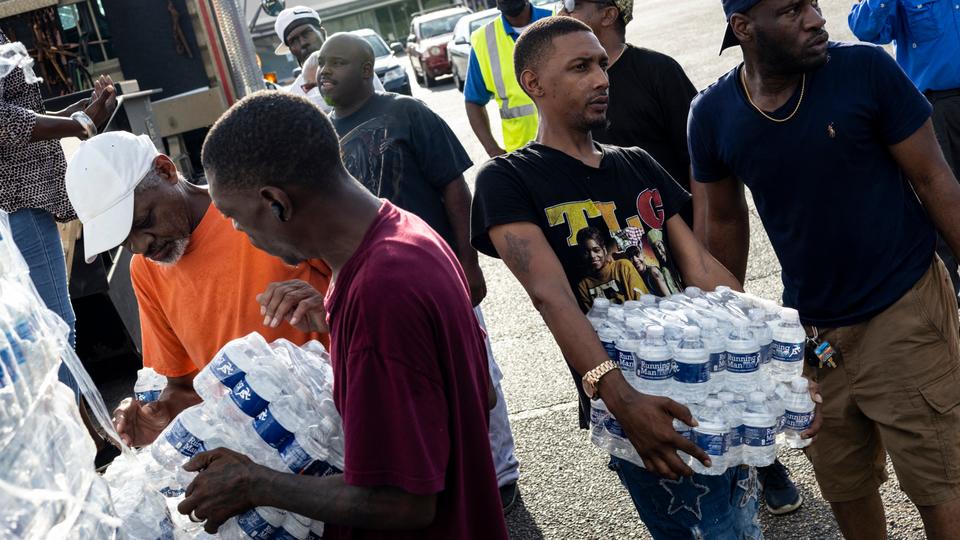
(704, 159)
(474, 88)
(873, 20)
(900, 108)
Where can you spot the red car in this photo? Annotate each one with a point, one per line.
(427, 43)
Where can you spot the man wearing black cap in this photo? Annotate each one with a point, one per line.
(838, 149)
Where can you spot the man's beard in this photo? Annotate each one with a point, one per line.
(594, 124)
(179, 247)
(777, 58)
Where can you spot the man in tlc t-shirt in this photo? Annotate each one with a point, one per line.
(530, 208)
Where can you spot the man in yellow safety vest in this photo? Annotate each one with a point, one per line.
(491, 74)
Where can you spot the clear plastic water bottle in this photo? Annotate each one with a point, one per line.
(716, 347)
(648, 300)
(306, 454)
(691, 375)
(775, 403)
(799, 412)
(693, 292)
(149, 385)
(598, 313)
(786, 351)
(222, 374)
(711, 435)
(251, 395)
(763, 335)
(733, 408)
(686, 432)
(608, 334)
(655, 363)
(10, 406)
(743, 360)
(276, 424)
(618, 443)
(294, 528)
(598, 421)
(673, 333)
(627, 344)
(185, 437)
(259, 524)
(616, 316)
(759, 432)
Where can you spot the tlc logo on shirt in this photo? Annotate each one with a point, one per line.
(576, 214)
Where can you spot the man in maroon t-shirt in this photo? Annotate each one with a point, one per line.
(411, 375)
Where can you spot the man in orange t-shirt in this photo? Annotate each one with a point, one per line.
(199, 288)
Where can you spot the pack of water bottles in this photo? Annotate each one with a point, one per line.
(48, 485)
(273, 403)
(733, 359)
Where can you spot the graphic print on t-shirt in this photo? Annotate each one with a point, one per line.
(619, 262)
(368, 154)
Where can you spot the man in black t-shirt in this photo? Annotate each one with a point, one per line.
(530, 208)
(403, 152)
(649, 92)
(650, 99)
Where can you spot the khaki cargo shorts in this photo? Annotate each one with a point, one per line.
(895, 390)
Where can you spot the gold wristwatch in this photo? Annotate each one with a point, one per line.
(592, 378)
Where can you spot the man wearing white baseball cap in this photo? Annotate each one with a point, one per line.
(301, 35)
(195, 276)
(299, 31)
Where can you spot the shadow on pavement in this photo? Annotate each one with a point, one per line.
(520, 523)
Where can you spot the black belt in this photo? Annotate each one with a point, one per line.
(934, 95)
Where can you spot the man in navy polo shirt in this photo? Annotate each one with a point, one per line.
(838, 149)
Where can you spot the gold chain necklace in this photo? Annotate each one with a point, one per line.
(803, 84)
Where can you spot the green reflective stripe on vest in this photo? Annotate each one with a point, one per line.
(494, 51)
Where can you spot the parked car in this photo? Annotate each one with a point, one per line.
(427, 43)
(391, 72)
(458, 50)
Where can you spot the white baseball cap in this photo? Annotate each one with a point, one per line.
(101, 177)
(289, 18)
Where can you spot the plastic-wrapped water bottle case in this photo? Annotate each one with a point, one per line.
(733, 359)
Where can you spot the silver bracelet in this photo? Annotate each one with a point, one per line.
(85, 122)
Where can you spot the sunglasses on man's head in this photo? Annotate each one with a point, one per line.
(570, 5)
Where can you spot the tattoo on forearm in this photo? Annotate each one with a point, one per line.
(518, 254)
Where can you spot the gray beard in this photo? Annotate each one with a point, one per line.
(179, 248)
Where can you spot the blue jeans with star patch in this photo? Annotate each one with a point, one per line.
(700, 507)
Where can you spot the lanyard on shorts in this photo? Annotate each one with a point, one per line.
(820, 353)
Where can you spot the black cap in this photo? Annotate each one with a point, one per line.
(729, 8)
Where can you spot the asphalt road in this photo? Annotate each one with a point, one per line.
(567, 491)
